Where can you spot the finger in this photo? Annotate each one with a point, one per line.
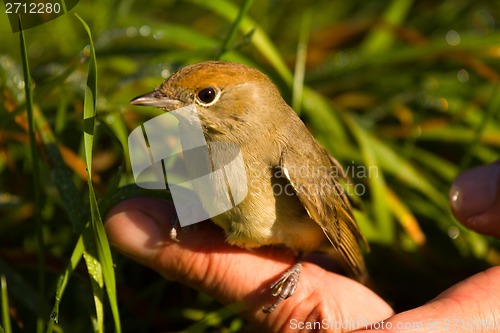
(132, 229)
(470, 306)
(204, 261)
(475, 199)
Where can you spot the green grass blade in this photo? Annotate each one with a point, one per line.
(102, 268)
(89, 107)
(487, 116)
(300, 63)
(405, 217)
(94, 268)
(61, 176)
(214, 319)
(37, 188)
(404, 171)
(5, 305)
(323, 118)
(63, 282)
(90, 254)
(63, 5)
(382, 38)
(229, 40)
(377, 185)
(443, 168)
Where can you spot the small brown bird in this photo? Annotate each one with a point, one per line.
(294, 196)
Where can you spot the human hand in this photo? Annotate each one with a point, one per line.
(140, 228)
(472, 305)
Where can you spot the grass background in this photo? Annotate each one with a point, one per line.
(408, 87)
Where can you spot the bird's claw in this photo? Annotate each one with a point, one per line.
(173, 232)
(285, 286)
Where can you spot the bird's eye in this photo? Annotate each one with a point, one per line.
(208, 96)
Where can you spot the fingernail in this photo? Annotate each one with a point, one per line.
(474, 191)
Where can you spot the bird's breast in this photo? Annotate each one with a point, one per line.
(270, 214)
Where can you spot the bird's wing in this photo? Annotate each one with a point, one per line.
(320, 192)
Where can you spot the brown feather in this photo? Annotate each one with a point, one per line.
(315, 180)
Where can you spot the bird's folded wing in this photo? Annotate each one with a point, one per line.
(316, 182)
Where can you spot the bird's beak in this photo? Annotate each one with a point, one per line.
(152, 99)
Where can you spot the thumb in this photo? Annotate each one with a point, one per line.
(469, 306)
(475, 199)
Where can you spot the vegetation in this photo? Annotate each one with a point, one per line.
(406, 89)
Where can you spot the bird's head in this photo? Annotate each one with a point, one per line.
(227, 96)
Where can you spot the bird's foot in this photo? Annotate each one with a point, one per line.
(285, 286)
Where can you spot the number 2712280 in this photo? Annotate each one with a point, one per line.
(32, 8)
